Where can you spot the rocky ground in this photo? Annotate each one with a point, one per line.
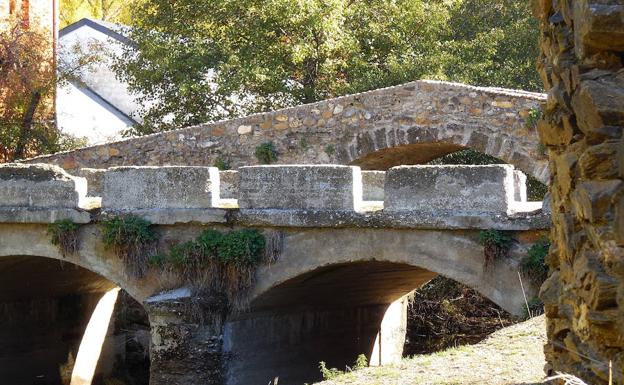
(512, 355)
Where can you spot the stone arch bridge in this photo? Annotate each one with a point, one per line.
(406, 124)
(350, 246)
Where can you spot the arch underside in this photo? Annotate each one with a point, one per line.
(45, 307)
(387, 147)
(408, 154)
(334, 311)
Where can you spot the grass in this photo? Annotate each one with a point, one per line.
(513, 355)
(64, 234)
(133, 240)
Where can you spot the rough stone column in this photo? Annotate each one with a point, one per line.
(582, 47)
(183, 351)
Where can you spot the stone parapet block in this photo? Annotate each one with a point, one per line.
(451, 188)
(168, 187)
(40, 186)
(326, 187)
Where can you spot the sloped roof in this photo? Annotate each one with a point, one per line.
(113, 30)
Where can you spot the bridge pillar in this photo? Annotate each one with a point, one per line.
(183, 350)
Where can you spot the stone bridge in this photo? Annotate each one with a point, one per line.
(350, 245)
(407, 124)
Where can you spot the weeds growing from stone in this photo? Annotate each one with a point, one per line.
(221, 163)
(133, 240)
(266, 153)
(219, 267)
(496, 245)
(535, 114)
(64, 234)
(534, 265)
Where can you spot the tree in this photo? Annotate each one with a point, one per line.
(198, 61)
(207, 60)
(27, 84)
(115, 11)
(493, 43)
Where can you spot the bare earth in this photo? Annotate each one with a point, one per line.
(512, 355)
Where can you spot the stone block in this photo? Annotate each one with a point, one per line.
(321, 187)
(373, 185)
(168, 187)
(39, 186)
(450, 188)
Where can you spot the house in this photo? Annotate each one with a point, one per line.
(94, 104)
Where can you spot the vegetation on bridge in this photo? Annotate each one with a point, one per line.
(133, 239)
(64, 234)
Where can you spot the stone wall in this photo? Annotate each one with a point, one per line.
(582, 46)
(407, 124)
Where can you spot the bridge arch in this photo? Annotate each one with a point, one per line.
(61, 322)
(32, 240)
(336, 294)
(406, 124)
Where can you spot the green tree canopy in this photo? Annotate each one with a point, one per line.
(117, 11)
(199, 61)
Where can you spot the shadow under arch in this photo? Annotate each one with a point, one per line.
(382, 148)
(338, 294)
(47, 308)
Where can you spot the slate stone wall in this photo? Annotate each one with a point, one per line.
(582, 49)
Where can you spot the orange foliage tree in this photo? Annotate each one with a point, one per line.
(27, 82)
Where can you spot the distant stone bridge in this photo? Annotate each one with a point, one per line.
(350, 244)
(408, 124)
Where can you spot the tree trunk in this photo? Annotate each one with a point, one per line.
(27, 123)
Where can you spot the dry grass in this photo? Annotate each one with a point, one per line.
(512, 355)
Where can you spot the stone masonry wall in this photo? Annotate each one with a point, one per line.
(407, 124)
(582, 47)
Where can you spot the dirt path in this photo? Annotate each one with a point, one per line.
(510, 356)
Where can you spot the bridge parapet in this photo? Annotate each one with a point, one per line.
(40, 193)
(440, 197)
(464, 189)
(323, 187)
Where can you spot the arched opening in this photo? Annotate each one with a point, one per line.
(407, 154)
(332, 314)
(61, 324)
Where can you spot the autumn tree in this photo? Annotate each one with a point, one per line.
(27, 84)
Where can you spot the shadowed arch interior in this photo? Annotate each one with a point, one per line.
(407, 154)
(45, 306)
(331, 314)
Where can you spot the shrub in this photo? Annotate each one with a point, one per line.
(534, 265)
(330, 149)
(223, 264)
(64, 234)
(133, 239)
(266, 153)
(496, 245)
